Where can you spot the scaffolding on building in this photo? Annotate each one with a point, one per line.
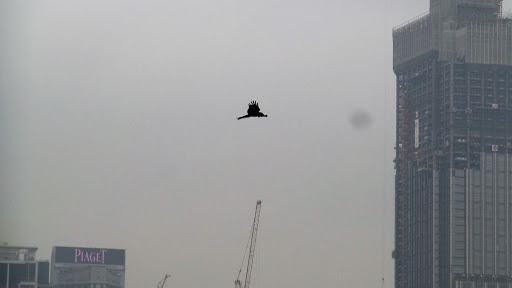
(404, 156)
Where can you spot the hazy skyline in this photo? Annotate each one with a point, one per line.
(119, 130)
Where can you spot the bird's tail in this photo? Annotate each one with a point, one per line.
(245, 116)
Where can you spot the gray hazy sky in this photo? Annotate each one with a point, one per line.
(118, 130)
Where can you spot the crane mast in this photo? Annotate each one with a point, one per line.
(252, 247)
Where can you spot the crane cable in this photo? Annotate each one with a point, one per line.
(243, 260)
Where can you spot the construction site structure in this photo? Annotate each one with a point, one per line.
(161, 284)
(252, 248)
(453, 181)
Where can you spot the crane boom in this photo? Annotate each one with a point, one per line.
(162, 282)
(252, 247)
(253, 244)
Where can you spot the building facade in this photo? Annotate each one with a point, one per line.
(453, 185)
(79, 267)
(20, 269)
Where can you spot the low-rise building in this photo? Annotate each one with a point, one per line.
(20, 269)
(79, 267)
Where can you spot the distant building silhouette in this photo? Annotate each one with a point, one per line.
(453, 185)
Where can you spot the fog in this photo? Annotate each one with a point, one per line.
(118, 130)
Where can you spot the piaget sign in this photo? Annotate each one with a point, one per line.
(82, 256)
(79, 255)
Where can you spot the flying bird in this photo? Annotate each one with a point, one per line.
(253, 111)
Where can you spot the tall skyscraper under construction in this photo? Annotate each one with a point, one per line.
(453, 183)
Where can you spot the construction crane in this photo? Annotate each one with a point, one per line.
(162, 282)
(252, 246)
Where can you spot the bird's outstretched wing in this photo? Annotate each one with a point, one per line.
(253, 108)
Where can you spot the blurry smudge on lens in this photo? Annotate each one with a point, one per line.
(360, 119)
